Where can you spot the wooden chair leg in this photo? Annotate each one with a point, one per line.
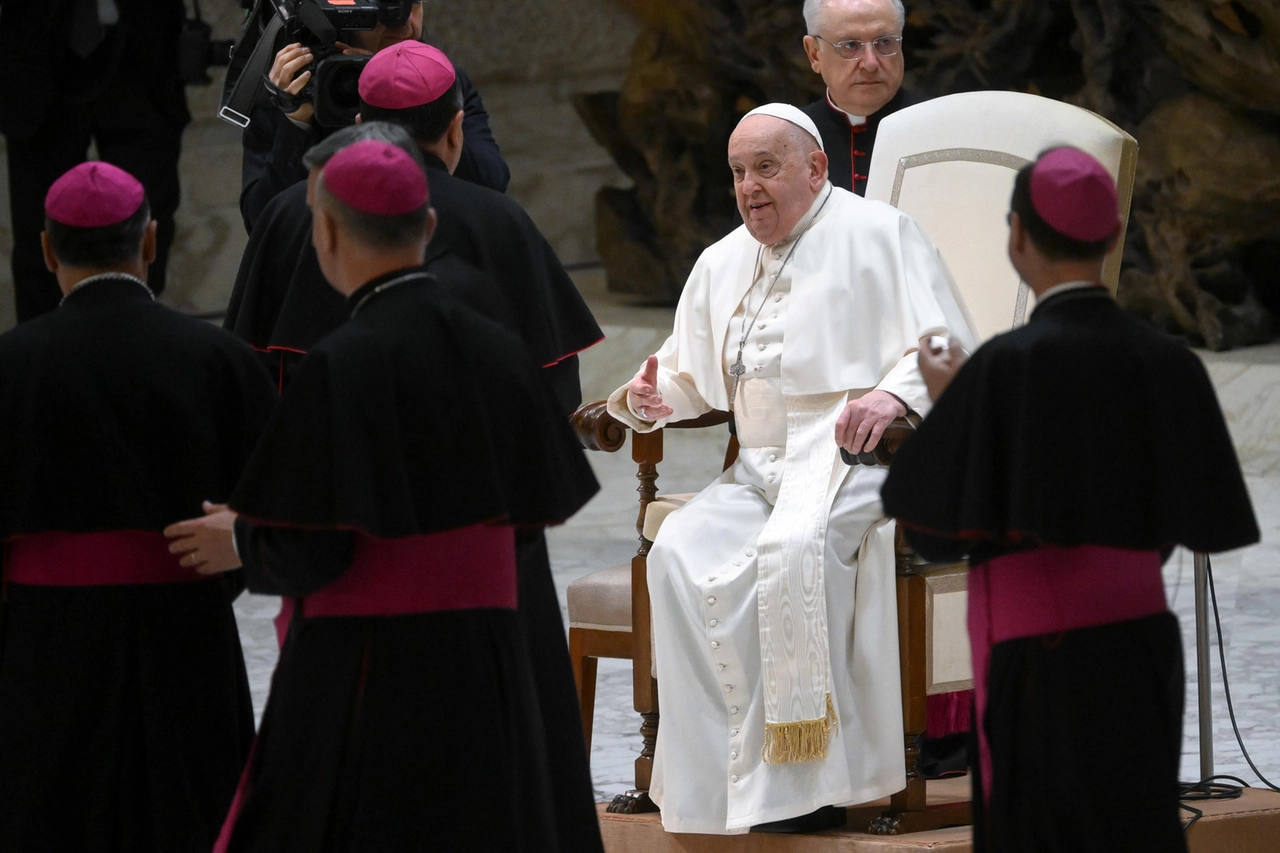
(584, 676)
(644, 690)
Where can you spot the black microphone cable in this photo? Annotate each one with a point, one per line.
(1210, 789)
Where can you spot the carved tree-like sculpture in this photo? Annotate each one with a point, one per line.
(1196, 81)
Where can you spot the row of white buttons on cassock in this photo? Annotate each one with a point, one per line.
(713, 623)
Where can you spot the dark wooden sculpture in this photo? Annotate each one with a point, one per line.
(1197, 82)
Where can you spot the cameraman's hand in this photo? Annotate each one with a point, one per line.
(290, 60)
(348, 50)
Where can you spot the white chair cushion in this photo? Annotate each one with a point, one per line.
(601, 601)
(659, 509)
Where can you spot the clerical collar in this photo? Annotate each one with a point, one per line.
(854, 120)
(377, 286)
(1063, 288)
(106, 276)
(1069, 291)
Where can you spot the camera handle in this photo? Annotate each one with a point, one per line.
(249, 65)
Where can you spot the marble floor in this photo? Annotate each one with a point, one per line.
(602, 535)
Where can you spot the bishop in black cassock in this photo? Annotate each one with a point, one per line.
(385, 496)
(124, 708)
(1067, 458)
(486, 252)
(856, 45)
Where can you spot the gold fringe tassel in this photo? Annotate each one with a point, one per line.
(804, 740)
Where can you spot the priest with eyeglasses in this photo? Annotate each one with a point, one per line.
(772, 591)
(856, 45)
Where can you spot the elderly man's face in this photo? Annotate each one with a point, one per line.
(777, 173)
(865, 84)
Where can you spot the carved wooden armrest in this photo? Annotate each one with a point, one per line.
(599, 430)
(887, 447)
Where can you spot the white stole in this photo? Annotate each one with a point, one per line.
(795, 656)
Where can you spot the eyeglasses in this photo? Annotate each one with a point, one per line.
(852, 49)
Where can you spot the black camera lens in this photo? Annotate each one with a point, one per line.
(337, 92)
(343, 90)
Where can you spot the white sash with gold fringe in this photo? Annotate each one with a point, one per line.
(795, 655)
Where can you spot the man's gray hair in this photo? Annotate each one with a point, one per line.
(813, 10)
(381, 131)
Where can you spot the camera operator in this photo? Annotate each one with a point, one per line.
(275, 141)
(77, 71)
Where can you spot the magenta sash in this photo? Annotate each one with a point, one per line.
(461, 569)
(1052, 590)
(473, 567)
(109, 557)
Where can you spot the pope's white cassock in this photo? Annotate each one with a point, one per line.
(774, 613)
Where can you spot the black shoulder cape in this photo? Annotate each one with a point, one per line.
(844, 157)
(1086, 426)
(282, 305)
(417, 415)
(117, 413)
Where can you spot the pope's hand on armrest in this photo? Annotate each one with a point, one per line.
(863, 420)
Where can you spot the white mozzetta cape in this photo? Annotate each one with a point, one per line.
(867, 284)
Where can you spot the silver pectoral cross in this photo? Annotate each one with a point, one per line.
(737, 369)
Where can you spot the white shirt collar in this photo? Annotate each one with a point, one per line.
(104, 276)
(854, 120)
(1063, 288)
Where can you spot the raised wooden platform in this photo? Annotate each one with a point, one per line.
(1250, 824)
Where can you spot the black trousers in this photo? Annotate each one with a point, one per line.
(130, 132)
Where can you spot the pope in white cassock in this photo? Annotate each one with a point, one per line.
(774, 614)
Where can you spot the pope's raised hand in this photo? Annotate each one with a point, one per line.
(642, 393)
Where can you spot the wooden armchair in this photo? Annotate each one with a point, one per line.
(602, 625)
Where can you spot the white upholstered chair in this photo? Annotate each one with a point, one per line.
(950, 164)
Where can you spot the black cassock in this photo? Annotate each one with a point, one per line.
(124, 707)
(1086, 427)
(422, 730)
(283, 306)
(849, 148)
